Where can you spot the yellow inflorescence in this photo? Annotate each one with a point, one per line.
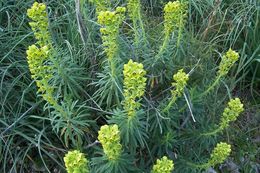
(101, 5)
(109, 137)
(231, 112)
(134, 86)
(163, 165)
(40, 72)
(38, 55)
(133, 6)
(227, 62)
(181, 79)
(174, 16)
(76, 162)
(39, 24)
(219, 154)
(180, 82)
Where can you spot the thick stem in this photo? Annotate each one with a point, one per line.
(213, 132)
(199, 166)
(112, 67)
(138, 27)
(164, 46)
(211, 87)
(179, 32)
(173, 100)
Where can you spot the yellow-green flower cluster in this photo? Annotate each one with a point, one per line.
(38, 55)
(110, 22)
(181, 79)
(219, 154)
(37, 59)
(101, 5)
(134, 86)
(227, 62)
(109, 137)
(163, 165)
(39, 24)
(134, 6)
(180, 82)
(174, 16)
(231, 112)
(76, 162)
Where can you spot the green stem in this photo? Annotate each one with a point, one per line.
(112, 67)
(137, 22)
(112, 59)
(164, 46)
(179, 32)
(192, 164)
(201, 166)
(211, 133)
(211, 87)
(53, 102)
(173, 100)
(136, 32)
(141, 22)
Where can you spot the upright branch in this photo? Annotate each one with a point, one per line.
(131, 121)
(134, 10)
(225, 65)
(174, 20)
(43, 65)
(110, 23)
(230, 114)
(218, 156)
(38, 54)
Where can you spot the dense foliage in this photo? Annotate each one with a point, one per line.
(129, 86)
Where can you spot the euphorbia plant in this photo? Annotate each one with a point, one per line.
(110, 22)
(44, 65)
(139, 130)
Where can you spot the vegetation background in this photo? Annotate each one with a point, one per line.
(27, 140)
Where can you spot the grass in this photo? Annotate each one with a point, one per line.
(28, 142)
